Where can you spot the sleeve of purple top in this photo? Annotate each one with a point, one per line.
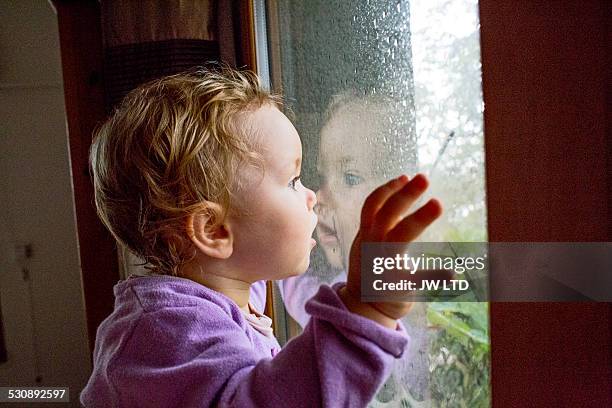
(340, 360)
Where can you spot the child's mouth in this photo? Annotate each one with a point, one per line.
(326, 233)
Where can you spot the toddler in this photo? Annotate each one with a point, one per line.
(199, 175)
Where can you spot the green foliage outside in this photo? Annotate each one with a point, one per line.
(460, 354)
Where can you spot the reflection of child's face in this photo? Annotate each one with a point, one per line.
(347, 166)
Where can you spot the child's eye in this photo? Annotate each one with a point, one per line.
(293, 182)
(352, 179)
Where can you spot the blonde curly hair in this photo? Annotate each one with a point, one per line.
(169, 149)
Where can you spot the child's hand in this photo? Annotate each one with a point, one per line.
(383, 220)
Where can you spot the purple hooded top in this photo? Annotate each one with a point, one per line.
(171, 342)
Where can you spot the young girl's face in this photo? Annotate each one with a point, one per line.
(346, 165)
(274, 240)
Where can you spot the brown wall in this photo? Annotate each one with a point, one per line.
(549, 175)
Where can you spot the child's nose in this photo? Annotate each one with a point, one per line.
(311, 199)
(320, 202)
(323, 197)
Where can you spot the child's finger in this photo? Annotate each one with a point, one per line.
(391, 212)
(412, 226)
(377, 199)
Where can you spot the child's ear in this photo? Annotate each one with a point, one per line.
(214, 241)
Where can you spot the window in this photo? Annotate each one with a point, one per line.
(378, 88)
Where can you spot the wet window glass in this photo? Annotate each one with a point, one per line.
(378, 88)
